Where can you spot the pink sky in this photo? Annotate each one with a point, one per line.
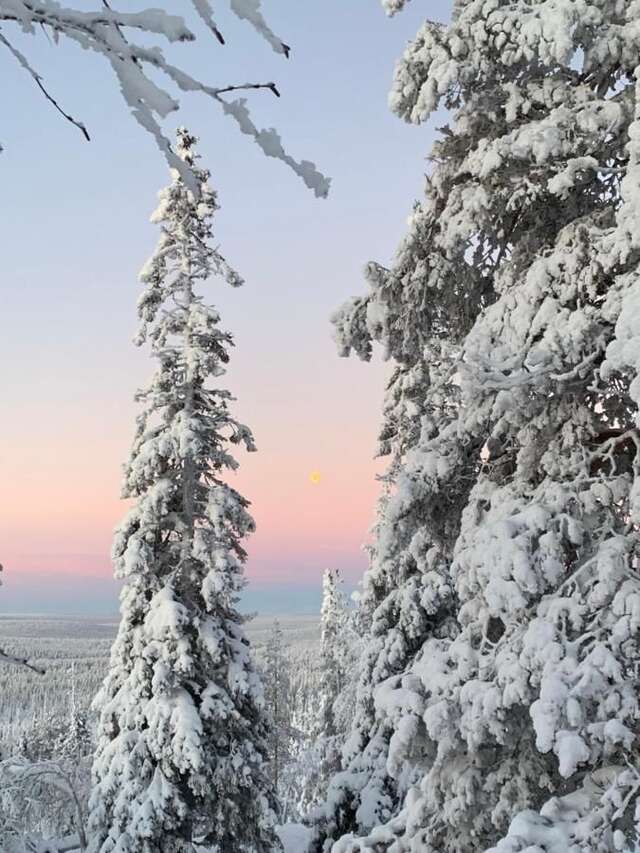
(75, 227)
(62, 469)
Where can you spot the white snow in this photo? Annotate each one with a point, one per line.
(295, 837)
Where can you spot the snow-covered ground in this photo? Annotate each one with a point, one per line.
(60, 644)
(299, 629)
(295, 837)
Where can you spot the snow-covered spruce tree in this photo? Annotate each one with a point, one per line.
(277, 690)
(182, 733)
(334, 621)
(74, 745)
(299, 782)
(108, 34)
(529, 708)
(419, 312)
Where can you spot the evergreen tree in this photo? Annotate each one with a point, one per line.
(334, 620)
(339, 646)
(40, 741)
(302, 774)
(182, 732)
(74, 743)
(419, 320)
(278, 704)
(526, 707)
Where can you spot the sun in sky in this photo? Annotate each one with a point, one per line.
(315, 477)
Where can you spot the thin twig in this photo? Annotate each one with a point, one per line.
(204, 10)
(38, 80)
(81, 127)
(271, 86)
(7, 658)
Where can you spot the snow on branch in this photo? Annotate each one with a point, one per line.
(392, 7)
(106, 32)
(271, 144)
(19, 775)
(5, 657)
(249, 10)
(203, 8)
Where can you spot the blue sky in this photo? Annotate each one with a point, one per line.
(75, 229)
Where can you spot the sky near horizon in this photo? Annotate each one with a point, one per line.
(75, 231)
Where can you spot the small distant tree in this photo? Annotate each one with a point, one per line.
(39, 739)
(75, 742)
(333, 619)
(278, 701)
(299, 775)
(319, 755)
(182, 737)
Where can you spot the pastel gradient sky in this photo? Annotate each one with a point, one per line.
(75, 231)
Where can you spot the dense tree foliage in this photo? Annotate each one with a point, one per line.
(182, 733)
(516, 699)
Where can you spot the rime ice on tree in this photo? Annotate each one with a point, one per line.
(108, 33)
(521, 708)
(407, 594)
(339, 646)
(333, 623)
(181, 748)
(278, 705)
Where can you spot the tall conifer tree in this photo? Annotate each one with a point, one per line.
(419, 322)
(522, 714)
(181, 748)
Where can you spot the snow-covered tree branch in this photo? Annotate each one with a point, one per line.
(6, 657)
(108, 33)
(25, 784)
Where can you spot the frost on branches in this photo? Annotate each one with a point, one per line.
(407, 594)
(108, 33)
(182, 733)
(333, 713)
(278, 705)
(518, 713)
(336, 642)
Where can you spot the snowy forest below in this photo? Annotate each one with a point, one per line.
(480, 693)
(47, 724)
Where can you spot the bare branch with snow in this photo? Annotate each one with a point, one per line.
(105, 31)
